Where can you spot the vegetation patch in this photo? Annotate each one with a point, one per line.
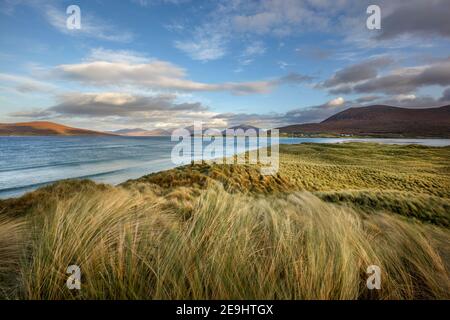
(208, 231)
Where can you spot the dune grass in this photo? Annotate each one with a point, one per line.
(355, 166)
(233, 247)
(12, 236)
(225, 232)
(422, 207)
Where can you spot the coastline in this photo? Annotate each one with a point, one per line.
(322, 206)
(107, 175)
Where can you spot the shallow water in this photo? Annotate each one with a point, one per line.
(29, 162)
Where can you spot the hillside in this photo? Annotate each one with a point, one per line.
(138, 132)
(43, 128)
(244, 127)
(381, 120)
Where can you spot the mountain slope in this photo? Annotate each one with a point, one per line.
(127, 131)
(138, 132)
(43, 128)
(381, 120)
(244, 130)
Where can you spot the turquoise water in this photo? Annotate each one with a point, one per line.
(29, 162)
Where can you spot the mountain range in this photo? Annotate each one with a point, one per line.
(138, 132)
(382, 121)
(377, 121)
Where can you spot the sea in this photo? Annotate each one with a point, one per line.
(27, 163)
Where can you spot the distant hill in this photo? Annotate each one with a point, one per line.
(44, 128)
(191, 129)
(380, 120)
(229, 131)
(127, 131)
(138, 132)
(243, 127)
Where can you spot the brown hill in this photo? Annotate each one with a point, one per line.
(381, 120)
(43, 128)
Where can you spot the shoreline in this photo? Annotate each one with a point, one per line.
(22, 190)
(17, 192)
(284, 136)
(322, 205)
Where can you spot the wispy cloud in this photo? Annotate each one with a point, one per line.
(251, 52)
(92, 26)
(25, 84)
(204, 46)
(125, 56)
(232, 20)
(148, 3)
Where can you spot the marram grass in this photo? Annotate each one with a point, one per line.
(205, 236)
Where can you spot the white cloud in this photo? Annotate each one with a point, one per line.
(157, 74)
(403, 97)
(336, 102)
(127, 56)
(114, 98)
(118, 109)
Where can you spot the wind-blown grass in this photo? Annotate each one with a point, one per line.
(11, 244)
(422, 207)
(225, 232)
(233, 247)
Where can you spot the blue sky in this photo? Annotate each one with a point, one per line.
(167, 63)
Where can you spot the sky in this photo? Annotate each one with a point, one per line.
(167, 63)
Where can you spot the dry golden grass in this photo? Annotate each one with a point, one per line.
(233, 247)
(418, 206)
(12, 236)
(226, 232)
(367, 166)
(234, 178)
